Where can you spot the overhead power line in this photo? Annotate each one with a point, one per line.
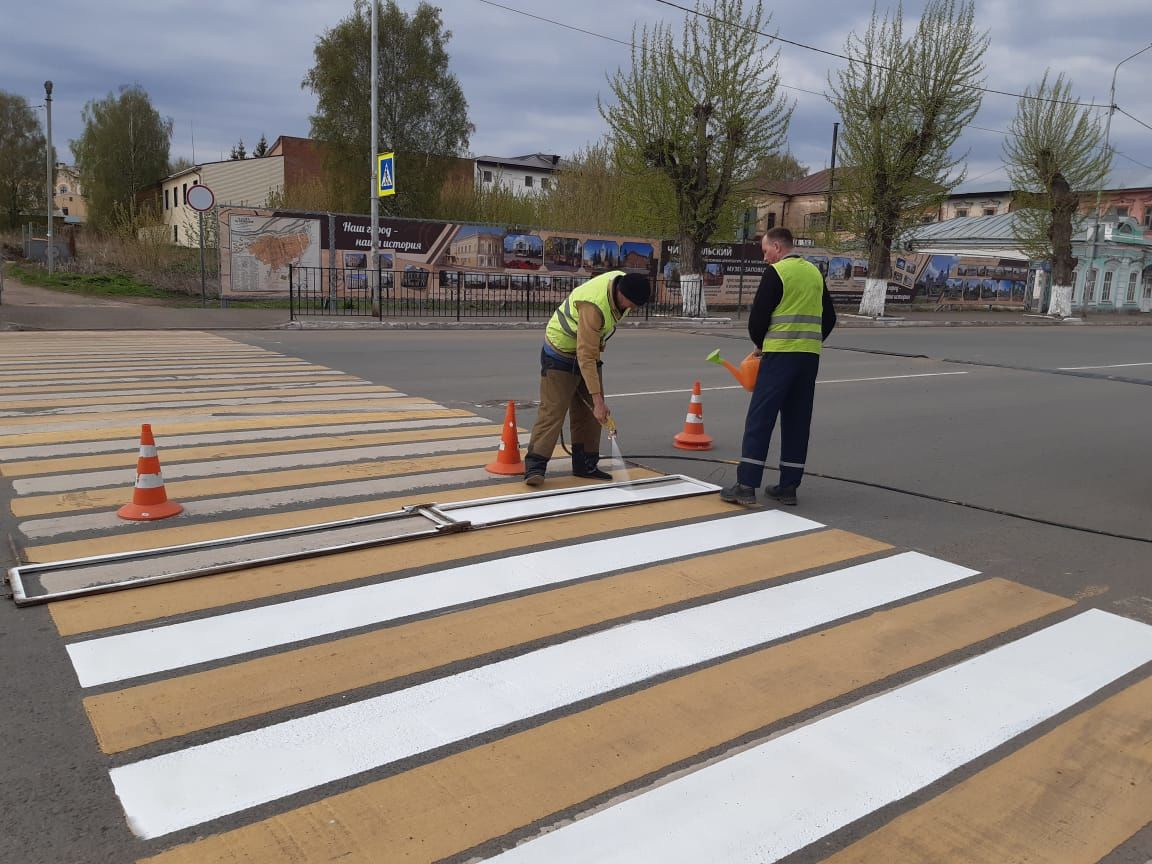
(778, 38)
(1130, 117)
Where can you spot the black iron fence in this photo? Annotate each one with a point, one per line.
(446, 294)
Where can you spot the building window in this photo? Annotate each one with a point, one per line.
(175, 233)
(771, 222)
(528, 181)
(961, 213)
(989, 211)
(1148, 217)
(487, 176)
(545, 183)
(165, 199)
(816, 221)
(184, 194)
(1090, 285)
(1121, 212)
(63, 190)
(1106, 291)
(65, 211)
(1131, 298)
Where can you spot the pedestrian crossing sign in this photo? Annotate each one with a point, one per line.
(385, 174)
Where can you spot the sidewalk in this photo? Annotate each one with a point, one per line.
(26, 307)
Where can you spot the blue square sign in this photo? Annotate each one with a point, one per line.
(385, 174)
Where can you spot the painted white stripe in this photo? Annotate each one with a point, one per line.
(1110, 366)
(768, 802)
(83, 448)
(239, 377)
(82, 391)
(244, 770)
(159, 649)
(237, 366)
(262, 501)
(147, 450)
(694, 419)
(149, 481)
(209, 415)
(357, 396)
(825, 381)
(253, 464)
(107, 356)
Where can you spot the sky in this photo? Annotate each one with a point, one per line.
(225, 70)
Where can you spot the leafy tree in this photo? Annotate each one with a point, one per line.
(1053, 151)
(779, 166)
(123, 149)
(179, 164)
(238, 151)
(261, 148)
(903, 103)
(421, 109)
(703, 111)
(22, 160)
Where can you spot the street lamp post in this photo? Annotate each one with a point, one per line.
(48, 160)
(1100, 191)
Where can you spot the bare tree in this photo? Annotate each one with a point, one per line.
(903, 103)
(1053, 151)
(704, 112)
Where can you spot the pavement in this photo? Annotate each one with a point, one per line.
(944, 653)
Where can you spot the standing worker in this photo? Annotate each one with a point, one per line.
(570, 378)
(791, 317)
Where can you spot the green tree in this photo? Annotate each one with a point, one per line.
(903, 103)
(703, 111)
(238, 151)
(122, 150)
(1053, 151)
(422, 113)
(22, 160)
(261, 148)
(779, 166)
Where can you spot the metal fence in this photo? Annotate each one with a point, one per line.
(445, 294)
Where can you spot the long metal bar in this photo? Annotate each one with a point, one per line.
(33, 583)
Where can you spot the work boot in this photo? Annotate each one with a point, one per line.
(740, 494)
(783, 494)
(585, 464)
(535, 467)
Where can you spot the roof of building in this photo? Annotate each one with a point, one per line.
(535, 161)
(813, 184)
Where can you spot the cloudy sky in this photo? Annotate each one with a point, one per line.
(230, 69)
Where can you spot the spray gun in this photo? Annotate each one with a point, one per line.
(610, 426)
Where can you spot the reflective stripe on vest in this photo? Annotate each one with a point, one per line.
(796, 321)
(565, 321)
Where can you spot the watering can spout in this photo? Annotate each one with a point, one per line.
(746, 374)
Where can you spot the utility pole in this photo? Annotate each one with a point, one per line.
(1100, 191)
(51, 179)
(832, 176)
(375, 195)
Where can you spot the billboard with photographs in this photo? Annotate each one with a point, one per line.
(413, 253)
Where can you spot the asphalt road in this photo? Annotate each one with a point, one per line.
(979, 446)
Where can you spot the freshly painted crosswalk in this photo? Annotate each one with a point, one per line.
(671, 681)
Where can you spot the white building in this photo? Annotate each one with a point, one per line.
(243, 182)
(523, 175)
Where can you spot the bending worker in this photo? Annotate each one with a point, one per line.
(791, 317)
(570, 377)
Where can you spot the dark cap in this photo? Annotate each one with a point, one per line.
(635, 287)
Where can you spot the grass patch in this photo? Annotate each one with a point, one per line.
(99, 284)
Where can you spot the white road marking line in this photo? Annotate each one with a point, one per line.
(9, 399)
(765, 803)
(208, 415)
(84, 448)
(170, 404)
(159, 649)
(191, 786)
(238, 377)
(1110, 366)
(252, 464)
(262, 501)
(824, 381)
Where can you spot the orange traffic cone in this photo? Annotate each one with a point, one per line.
(508, 459)
(693, 437)
(149, 500)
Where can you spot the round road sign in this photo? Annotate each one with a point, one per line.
(200, 198)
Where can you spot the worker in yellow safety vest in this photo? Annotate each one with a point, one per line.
(571, 381)
(790, 318)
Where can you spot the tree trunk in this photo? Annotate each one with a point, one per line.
(1064, 204)
(876, 285)
(1060, 303)
(691, 279)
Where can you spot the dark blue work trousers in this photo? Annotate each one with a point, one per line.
(785, 385)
